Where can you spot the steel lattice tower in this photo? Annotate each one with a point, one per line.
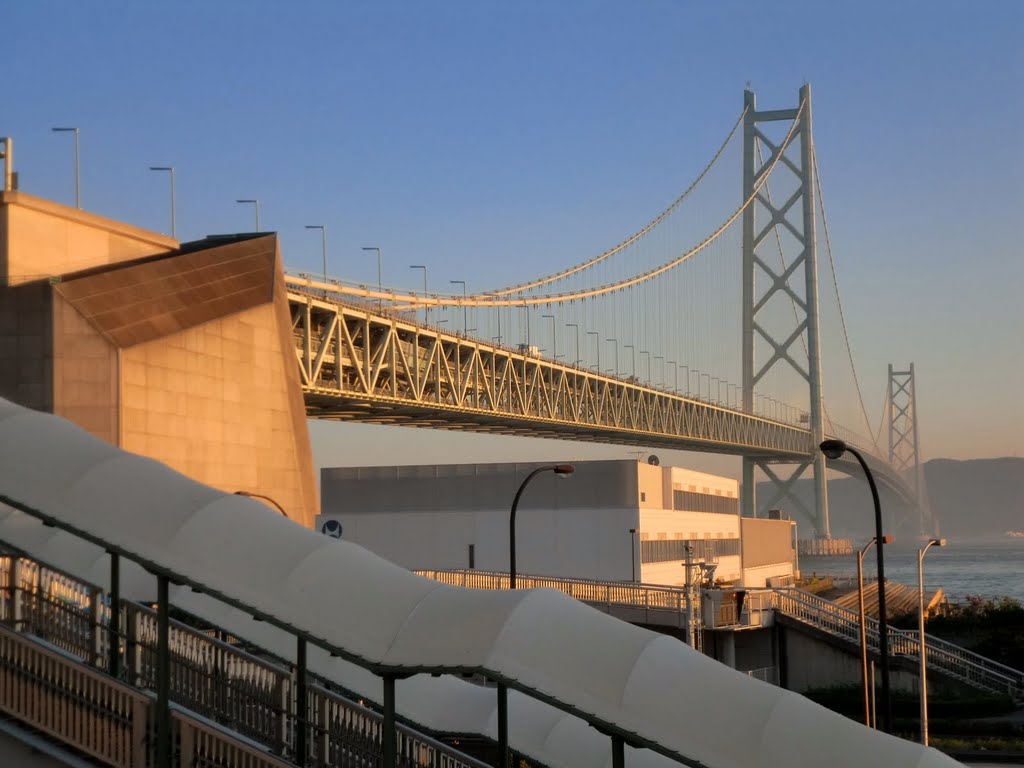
(805, 265)
(902, 418)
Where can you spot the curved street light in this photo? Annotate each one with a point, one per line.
(264, 498)
(562, 470)
(833, 449)
(920, 635)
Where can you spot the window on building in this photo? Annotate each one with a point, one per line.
(643, 496)
(472, 556)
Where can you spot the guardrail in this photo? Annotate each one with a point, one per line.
(661, 605)
(943, 656)
(255, 698)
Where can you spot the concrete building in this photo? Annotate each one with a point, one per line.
(178, 352)
(615, 520)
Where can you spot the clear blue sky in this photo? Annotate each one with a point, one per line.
(480, 138)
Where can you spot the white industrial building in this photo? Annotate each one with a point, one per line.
(615, 520)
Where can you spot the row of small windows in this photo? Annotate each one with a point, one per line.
(707, 550)
(704, 502)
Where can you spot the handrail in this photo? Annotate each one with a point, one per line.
(252, 696)
(950, 658)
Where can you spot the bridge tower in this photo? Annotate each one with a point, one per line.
(903, 445)
(785, 349)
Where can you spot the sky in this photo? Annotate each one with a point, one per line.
(495, 141)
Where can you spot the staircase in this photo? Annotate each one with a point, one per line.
(230, 706)
(943, 657)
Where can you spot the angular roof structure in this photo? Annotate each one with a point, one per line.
(558, 653)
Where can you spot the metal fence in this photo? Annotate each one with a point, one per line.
(942, 656)
(253, 698)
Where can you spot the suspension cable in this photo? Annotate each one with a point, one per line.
(632, 239)
(490, 300)
(835, 284)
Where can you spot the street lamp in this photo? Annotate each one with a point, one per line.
(863, 629)
(255, 203)
(659, 357)
(426, 308)
(642, 353)
(577, 327)
(323, 244)
(554, 346)
(380, 284)
(169, 169)
(632, 553)
(598, 345)
(920, 635)
(833, 449)
(265, 498)
(616, 343)
(78, 187)
(465, 323)
(632, 371)
(561, 470)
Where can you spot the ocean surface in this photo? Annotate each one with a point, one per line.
(987, 569)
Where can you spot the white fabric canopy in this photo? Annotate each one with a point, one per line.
(376, 613)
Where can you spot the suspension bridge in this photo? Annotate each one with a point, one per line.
(710, 328)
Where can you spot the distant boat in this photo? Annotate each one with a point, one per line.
(1015, 534)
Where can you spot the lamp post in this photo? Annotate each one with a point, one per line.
(616, 343)
(863, 629)
(465, 323)
(426, 309)
(256, 203)
(662, 383)
(562, 470)
(169, 169)
(598, 345)
(920, 635)
(632, 553)
(380, 283)
(78, 186)
(632, 371)
(554, 347)
(642, 353)
(577, 328)
(265, 498)
(700, 389)
(323, 244)
(833, 449)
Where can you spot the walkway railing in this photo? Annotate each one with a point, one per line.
(638, 603)
(252, 699)
(942, 656)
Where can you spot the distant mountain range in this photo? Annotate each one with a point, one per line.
(975, 499)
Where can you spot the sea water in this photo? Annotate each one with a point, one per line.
(986, 569)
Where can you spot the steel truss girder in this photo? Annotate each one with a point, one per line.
(358, 364)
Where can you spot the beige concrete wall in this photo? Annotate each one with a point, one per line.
(214, 402)
(766, 541)
(650, 486)
(26, 349)
(85, 373)
(39, 239)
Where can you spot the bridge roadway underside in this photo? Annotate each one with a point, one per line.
(364, 365)
(357, 363)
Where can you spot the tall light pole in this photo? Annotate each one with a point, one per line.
(170, 170)
(78, 186)
(256, 204)
(642, 353)
(632, 371)
(323, 244)
(833, 449)
(380, 282)
(465, 316)
(863, 627)
(426, 309)
(554, 343)
(561, 470)
(577, 327)
(632, 553)
(920, 635)
(616, 343)
(699, 387)
(675, 375)
(598, 345)
(659, 357)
